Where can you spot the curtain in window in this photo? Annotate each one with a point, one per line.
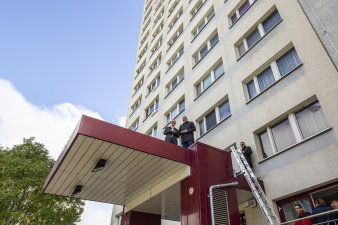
(182, 106)
(202, 128)
(265, 79)
(290, 212)
(283, 135)
(311, 120)
(199, 89)
(271, 21)
(214, 40)
(244, 7)
(265, 144)
(206, 82)
(241, 49)
(288, 62)
(224, 110)
(219, 71)
(155, 132)
(211, 120)
(253, 38)
(251, 89)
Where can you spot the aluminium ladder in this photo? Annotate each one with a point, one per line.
(256, 188)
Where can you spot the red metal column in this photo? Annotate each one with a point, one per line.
(209, 166)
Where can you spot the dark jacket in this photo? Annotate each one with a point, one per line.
(247, 154)
(170, 136)
(189, 136)
(322, 208)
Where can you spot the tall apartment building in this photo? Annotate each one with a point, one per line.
(259, 71)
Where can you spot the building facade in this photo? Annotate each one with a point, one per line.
(259, 71)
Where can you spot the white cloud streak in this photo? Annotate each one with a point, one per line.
(51, 126)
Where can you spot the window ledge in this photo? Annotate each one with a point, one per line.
(242, 14)
(174, 63)
(259, 40)
(209, 86)
(174, 118)
(174, 42)
(202, 29)
(260, 93)
(205, 55)
(198, 10)
(136, 91)
(152, 114)
(152, 91)
(294, 145)
(173, 88)
(134, 111)
(154, 69)
(213, 127)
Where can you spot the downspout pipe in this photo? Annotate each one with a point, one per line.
(212, 200)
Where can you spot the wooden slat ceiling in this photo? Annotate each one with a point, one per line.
(126, 174)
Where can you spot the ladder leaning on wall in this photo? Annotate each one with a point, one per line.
(256, 188)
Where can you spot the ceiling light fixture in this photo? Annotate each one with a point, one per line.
(99, 165)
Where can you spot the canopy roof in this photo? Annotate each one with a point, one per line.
(138, 167)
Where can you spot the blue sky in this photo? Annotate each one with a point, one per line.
(60, 59)
(78, 51)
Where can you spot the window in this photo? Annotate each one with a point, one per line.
(175, 36)
(138, 71)
(142, 52)
(134, 126)
(197, 8)
(176, 110)
(154, 84)
(261, 30)
(146, 16)
(211, 78)
(216, 116)
(153, 132)
(159, 16)
(152, 108)
(157, 31)
(156, 47)
(138, 85)
(202, 24)
(173, 22)
(311, 120)
(274, 72)
(173, 7)
(136, 105)
(159, 5)
(241, 10)
(206, 48)
(155, 64)
(294, 129)
(144, 39)
(289, 61)
(175, 57)
(173, 84)
(145, 26)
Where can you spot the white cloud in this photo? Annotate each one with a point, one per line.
(122, 121)
(100, 214)
(51, 126)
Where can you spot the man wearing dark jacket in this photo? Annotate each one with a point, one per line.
(171, 133)
(246, 150)
(301, 214)
(187, 131)
(321, 206)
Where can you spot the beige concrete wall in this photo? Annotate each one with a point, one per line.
(306, 165)
(253, 215)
